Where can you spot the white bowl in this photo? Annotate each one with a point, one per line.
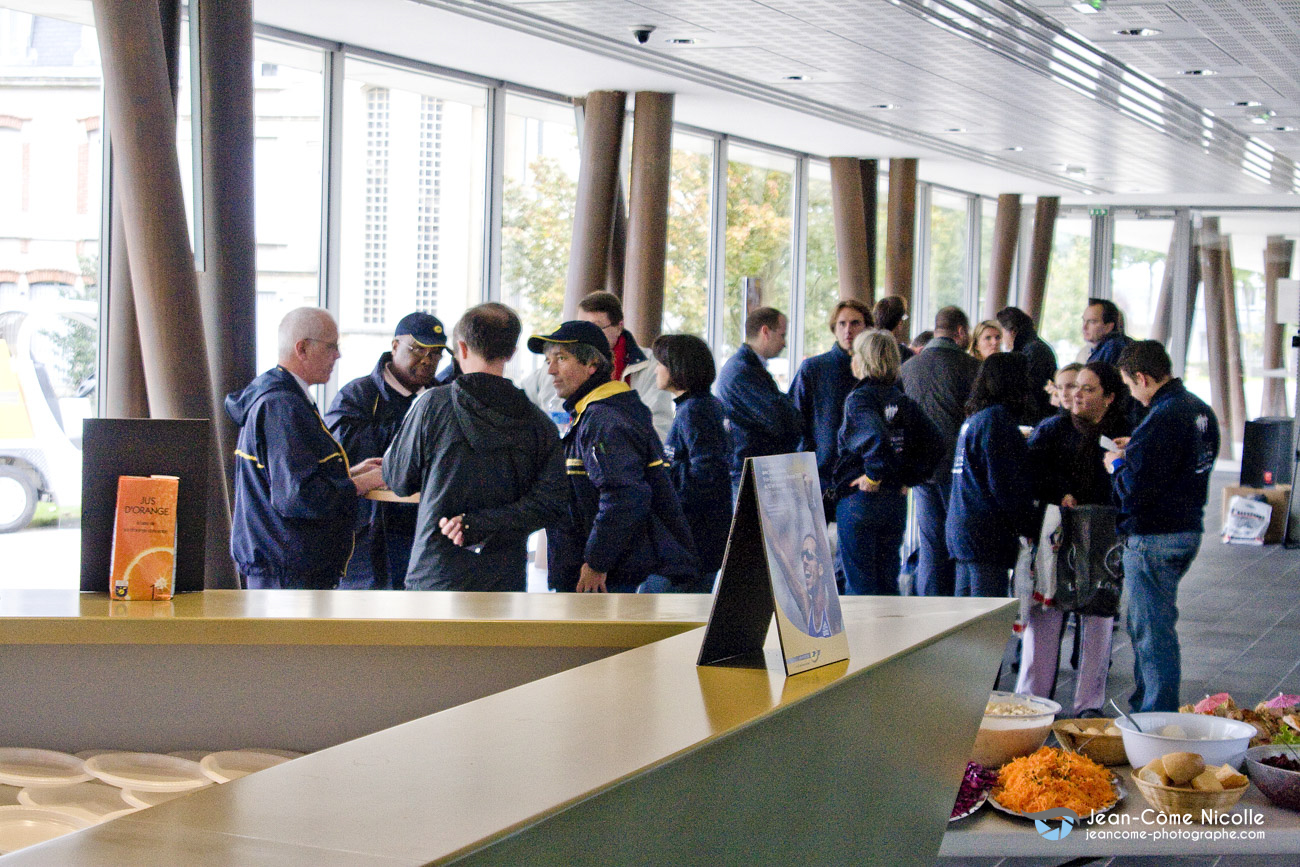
(1217, 740)
(1003, 737)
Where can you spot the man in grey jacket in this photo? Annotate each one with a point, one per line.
(939, 378)
(487, 463)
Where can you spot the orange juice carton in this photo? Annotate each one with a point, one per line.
(144, 538)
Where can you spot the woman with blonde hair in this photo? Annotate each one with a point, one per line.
(986, 339)
(886, 444)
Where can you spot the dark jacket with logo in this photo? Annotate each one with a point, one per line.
(939, 379)
(477, 448)
(886, 437)
(294, 503)
(364, 417)
(1067, 458)
(818, 392)
(763, 420)
(992, 492)
(623, 517)
(1163, 482)
(699, 454)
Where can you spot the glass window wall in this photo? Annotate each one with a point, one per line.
(414, 177)
(1067, 288)
(947, 271)
(686, 267)
(821, 272)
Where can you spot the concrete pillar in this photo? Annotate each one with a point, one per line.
(900, 240)
(602, 142)
(1212, 257)
(1006, 231)
(848, 207)
(1040, 255)
(647, 225)
(1279, 253)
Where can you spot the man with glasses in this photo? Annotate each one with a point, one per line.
(365, 416)
(295, 490)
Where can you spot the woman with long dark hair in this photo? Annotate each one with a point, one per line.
(992, 498)
(698, 450)
(1066, 454)
(886, 444)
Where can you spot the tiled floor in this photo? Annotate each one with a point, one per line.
(1239, 624)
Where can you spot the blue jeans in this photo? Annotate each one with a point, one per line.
(935, 570)
(871, 533)
(982, 579)
(664, 584)
(1153, 566)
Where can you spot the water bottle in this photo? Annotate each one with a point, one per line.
(555, 409)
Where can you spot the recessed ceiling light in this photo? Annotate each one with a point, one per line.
(796, 78)
(1072, 169)
(883, 106)
(1198, 72)
(1014, 148)
(680, 40)
(1139, 32)
(955, 129)
(1247, 103)
(1283, 129)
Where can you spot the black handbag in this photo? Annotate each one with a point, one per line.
(1089, 568)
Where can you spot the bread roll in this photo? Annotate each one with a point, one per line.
(1154, 772)
(1229, 777)
(1205, 781)
(1182, 767)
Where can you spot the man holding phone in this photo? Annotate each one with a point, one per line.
(1161, 476)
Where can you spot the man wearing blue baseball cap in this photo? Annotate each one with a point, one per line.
(365, 417)
(624, 523)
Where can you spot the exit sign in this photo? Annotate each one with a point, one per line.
(1098, 212)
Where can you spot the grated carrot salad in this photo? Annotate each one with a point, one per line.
(1052, 778)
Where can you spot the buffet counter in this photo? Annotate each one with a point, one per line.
(620, 756)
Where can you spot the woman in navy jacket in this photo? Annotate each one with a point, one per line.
(886, 443)
(992, 495)
(698, 451)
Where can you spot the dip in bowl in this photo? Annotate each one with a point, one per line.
(1014, 725)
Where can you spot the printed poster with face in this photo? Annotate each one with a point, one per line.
(778, 561)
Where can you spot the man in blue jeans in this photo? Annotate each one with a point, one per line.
(1161, 477)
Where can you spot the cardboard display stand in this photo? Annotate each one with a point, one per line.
(113, 447)
(778, 561)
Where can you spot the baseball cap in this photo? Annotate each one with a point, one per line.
(573, 331)
(424, 328)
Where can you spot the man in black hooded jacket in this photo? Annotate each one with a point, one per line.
(487, 463)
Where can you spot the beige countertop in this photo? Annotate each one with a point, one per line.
(350, 617)
(445, 785)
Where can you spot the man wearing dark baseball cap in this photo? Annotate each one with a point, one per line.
(365, 416)
(624, 523)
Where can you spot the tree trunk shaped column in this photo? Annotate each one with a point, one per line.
(1278, 255)
(870, 171)
(229, 277)
(602, 142)
(647, 225)
(1212, 256)
(1006, 231)
(900, 240)
(1232, 344)
(848, 206)
(1040, 255)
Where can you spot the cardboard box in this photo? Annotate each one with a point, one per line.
(144, 538)
(1277, 496)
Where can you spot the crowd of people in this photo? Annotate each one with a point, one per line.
(631, 463)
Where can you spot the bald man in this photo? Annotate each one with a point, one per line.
(295, 492)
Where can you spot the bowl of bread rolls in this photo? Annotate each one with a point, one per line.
(1218, 741)
(1182, 783)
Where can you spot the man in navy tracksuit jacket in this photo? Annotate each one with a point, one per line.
(1161, 478)
(624, 523)
(821, 386)
(295, 493)
(365, 417)
(763, 420)
(1102, 328)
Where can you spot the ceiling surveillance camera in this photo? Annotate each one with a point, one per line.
(641, 32)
